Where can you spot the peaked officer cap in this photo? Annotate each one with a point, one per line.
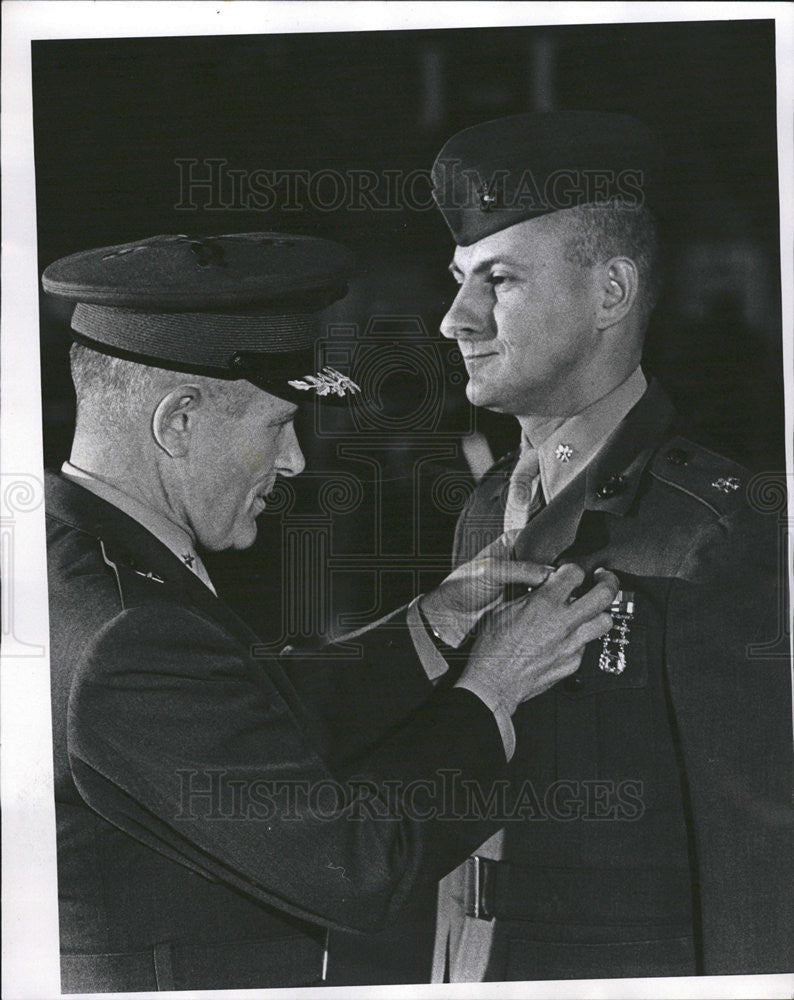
(240, 306)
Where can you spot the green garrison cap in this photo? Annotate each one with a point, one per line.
(493, 175)
(241, 306)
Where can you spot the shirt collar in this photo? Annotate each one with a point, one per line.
(566, 445)
(164, 530)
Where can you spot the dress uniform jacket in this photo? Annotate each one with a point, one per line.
(649, 830)
(176, 739)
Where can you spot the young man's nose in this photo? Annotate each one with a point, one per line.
(470, 317)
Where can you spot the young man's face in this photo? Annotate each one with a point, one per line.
(524, 320)
(233, 464)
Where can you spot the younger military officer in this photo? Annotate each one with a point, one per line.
(217, 809)
(656, 835)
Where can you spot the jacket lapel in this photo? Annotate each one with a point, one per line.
(134, 548)
(608, 485)
(553, 528)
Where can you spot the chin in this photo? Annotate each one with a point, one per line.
(478, 395)
(241, 536)
(244, 538)
(473, 393)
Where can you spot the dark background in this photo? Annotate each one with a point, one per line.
(112, 117)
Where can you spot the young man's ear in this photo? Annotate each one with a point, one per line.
(618, 284)
(174, 419)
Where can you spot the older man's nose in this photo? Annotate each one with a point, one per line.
(290, 457)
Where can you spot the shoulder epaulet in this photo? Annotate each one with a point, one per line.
(715, 481)
(137, 584)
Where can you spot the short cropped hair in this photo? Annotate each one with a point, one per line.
(598, 232)
(112, 386)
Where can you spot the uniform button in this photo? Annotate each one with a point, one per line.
(677, 456)
(610, 488)
(572, 683)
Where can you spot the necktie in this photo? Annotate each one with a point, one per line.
(524, 494)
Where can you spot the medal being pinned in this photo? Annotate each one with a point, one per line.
(614, 644)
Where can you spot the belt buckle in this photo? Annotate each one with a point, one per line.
(479, 884)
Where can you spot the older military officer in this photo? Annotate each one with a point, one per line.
(218, 809)
(655, 834)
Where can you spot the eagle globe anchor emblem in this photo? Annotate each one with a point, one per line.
(487, 197)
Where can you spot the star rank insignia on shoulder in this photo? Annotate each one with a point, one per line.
(715, 481)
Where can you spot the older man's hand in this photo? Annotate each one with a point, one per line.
(530, 644)
(455, 607)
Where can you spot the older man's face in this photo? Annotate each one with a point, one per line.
(232, 466)
(523, 318)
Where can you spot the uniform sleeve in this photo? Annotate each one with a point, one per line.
(363, 685)
(433, 663)
(730, 685)
(179, 738)
(480, 522)
(460, 542)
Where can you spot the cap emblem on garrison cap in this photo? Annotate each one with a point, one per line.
(487, 198)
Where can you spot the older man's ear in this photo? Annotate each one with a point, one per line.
(173, 422)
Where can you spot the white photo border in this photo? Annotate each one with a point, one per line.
(29, 919)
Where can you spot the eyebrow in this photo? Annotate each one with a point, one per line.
(487, 264)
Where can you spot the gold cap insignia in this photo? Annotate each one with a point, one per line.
(327, 382)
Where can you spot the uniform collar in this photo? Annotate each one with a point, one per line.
(566, 446)
(608, 485)
(138, 556)
(175, 538)
(613, 476)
